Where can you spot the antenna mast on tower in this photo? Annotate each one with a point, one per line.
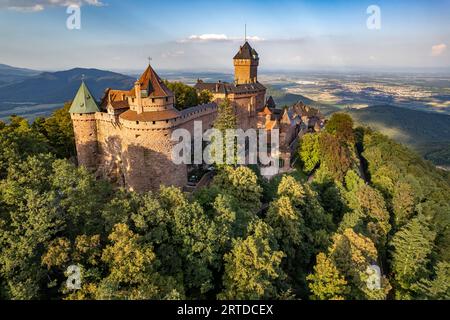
(245, 34)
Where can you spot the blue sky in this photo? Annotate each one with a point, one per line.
(204, 35)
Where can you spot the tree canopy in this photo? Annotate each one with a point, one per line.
(372, 222)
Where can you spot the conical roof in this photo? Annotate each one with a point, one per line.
(271, 103)
(152, 83)
(84, 101)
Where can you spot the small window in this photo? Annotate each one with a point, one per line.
(153, 100)
(137, 122)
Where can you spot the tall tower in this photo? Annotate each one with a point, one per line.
(246, 63)
(82, 112)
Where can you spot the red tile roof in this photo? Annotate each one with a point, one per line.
(152, 83)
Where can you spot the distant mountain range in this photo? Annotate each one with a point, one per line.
(29, 86)
(10, 74)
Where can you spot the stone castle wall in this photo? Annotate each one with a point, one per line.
(247, 107)
(135, 155)
(245, 71)
(85, 130)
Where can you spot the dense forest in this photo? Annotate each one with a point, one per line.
(365, 201)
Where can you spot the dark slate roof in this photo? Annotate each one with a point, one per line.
(246, 52)
(301, 109)
(225, 87)
(277, 111)
(271, 103)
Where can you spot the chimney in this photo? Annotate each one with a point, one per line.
(137, 92)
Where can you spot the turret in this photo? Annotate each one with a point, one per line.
(82, 112)
(150, 94)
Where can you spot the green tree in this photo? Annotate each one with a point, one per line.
(403, 203)
(241, 183)
(310, 152)
(326, 283)
(29, 219)
(252, 268)
(341, 126)
(284, 216)
(18, 141)
(436, 288)
(204, 97)
(131, 269)
(352, 254)
(337, 157)
(287, 223)
(185, 96)
(411, 249)
(58, 130)
(185, 239)
(370, 208)
(225, 120)
(85, 252)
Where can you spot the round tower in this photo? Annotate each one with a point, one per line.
(146, 132)
(82, 112)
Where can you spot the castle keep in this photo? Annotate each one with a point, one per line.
(126, 137)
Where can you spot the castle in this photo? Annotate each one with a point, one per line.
(126, 137)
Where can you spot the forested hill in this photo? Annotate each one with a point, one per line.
(372, 205)
(426, 132)
(61, 86)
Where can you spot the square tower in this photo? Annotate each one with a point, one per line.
(246, 63)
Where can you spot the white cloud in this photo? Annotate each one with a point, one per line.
(438, 49)
(35, 8)
(252, 38)
(172, 54)
(39, 5)
(209, 37)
